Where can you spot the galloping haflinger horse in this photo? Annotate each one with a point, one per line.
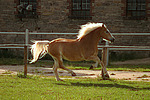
(84, 47)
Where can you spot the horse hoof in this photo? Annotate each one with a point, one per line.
(105, 77)
(74, 74)
(91, 67)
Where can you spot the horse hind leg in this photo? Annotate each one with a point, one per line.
(56, 65)
(94, 65)
(62, 66)
(70, 71)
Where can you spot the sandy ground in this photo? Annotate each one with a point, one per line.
(124, 75)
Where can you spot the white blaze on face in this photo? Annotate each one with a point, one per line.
(108, 32)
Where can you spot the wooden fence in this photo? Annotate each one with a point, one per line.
(105, 49)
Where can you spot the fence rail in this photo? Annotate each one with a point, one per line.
(105, 49)
(126, 48)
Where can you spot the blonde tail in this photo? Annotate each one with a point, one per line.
(38, 50)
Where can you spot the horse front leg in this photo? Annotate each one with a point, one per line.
(104, 73)
(104, 76)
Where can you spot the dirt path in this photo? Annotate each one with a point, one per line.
(124, 75)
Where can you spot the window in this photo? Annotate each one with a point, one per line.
(27, 9)
(81, 9)
(136, 9)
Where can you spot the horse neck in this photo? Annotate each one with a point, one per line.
(91, 38)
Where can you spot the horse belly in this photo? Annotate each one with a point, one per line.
(72, 57)
(72, 53)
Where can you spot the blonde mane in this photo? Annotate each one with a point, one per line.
(87, 28)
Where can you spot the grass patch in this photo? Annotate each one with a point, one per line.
(7, 72)
(39, 88)
(134, 68)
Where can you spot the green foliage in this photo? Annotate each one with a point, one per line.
(123, 56)
(45, 88)
(10, 53)
(11, 61)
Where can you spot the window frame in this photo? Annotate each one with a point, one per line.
(27, 13)
(137, 16)
(86, 13)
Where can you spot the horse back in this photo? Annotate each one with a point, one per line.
(68, 49)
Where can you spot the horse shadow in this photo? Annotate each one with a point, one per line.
(110, 85)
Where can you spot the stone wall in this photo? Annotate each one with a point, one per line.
(53, 17)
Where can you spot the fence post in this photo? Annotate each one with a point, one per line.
(27, 40)
(26, 52)
(105, 54)
(25, 60)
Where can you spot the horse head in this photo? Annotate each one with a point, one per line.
(106, 35)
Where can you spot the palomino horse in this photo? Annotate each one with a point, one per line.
(82, 48)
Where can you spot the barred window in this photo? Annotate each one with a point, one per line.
(81, 9)
(27, 8)
(136, 9)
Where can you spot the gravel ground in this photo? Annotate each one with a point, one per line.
(123, 75)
